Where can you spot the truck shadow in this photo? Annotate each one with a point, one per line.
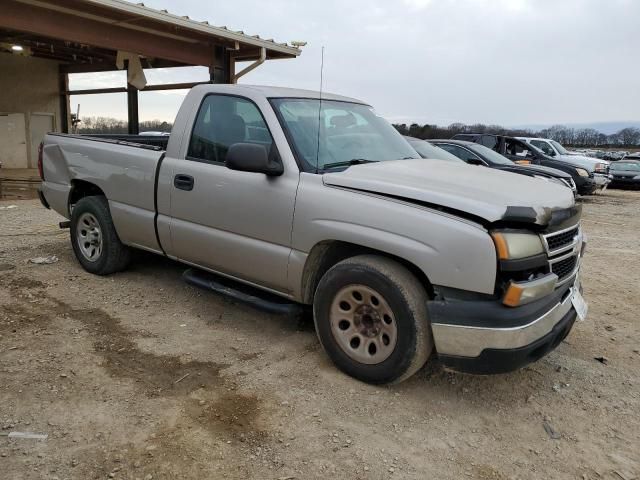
(432, 380)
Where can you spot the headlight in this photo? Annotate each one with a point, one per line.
(513, 245)
(582, 172)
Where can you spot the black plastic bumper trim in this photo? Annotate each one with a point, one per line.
(43, 200)
(492, 313)
(522, 264)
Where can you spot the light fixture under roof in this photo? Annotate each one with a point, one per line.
(17, 48)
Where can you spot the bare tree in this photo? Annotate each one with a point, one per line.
(629, 136)
(584, 137)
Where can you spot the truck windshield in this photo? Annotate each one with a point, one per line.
(338, 134)
(561, 150)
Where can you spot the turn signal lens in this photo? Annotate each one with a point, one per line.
(512, 296)
(501, 246)
(521, 293)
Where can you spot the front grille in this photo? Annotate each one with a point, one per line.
(562, 239)
(565, 267)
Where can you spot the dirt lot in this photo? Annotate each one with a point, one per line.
(140, 376)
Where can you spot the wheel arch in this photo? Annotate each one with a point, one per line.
(81, 189)
(327, 253)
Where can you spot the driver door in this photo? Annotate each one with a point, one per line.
(519, 152)
(232, 222)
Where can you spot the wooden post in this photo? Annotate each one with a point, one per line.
(63, 86)
(132, 110)
(220, 70)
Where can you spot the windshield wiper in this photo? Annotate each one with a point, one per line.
(348, 163)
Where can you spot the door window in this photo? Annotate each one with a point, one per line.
(223, 121)
(517, 148)
(489, 141)
(544, 146)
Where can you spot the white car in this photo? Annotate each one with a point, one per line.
(600, 168)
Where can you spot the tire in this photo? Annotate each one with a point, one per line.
(94, 238)
(402, 298)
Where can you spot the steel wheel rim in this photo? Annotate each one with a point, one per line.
(363, 324)
(89, 237)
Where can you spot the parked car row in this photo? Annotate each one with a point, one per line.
(626, 173)
(614, 155)
(289, 200)
(476, 154)
(621, 174)
(585, 172)
(609, 155)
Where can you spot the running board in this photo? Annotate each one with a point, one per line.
(258, 299)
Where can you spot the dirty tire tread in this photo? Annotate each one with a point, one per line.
(115, 255)
(409, 290)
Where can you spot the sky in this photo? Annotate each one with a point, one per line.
(506, 62)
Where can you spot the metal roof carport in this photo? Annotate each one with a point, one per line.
(86, 36)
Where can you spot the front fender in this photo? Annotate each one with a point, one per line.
(449, 250)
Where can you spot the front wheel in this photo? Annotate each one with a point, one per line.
(94, 238)
(370, 314)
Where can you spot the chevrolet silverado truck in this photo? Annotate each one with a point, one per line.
(318, 201)
(599, 167)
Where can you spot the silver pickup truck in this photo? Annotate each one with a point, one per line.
(322, 203)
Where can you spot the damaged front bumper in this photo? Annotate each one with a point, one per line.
(485, 337)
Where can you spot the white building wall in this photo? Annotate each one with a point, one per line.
(28, 86)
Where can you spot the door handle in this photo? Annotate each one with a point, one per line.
(183, 182)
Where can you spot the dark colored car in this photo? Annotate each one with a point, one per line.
(475, 154)
(428, 150)
(626, 173)
(520, 151)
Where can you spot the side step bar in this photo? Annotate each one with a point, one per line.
(265, 301)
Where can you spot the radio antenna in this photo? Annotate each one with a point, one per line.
(320, 109)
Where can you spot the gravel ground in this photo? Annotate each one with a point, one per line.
(138, 375)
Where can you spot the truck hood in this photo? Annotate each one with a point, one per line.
(482, 194)
(581, 161)
(537, 170)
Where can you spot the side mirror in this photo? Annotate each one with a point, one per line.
(251, 157)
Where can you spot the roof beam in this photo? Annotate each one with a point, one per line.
(148, 88)
(41, 21)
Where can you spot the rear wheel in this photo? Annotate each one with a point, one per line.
(371, 317)
(94, 238)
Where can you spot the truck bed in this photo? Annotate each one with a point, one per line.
(151, 142)
(124, 170)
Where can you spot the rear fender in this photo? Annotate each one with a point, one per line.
(57, 179)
